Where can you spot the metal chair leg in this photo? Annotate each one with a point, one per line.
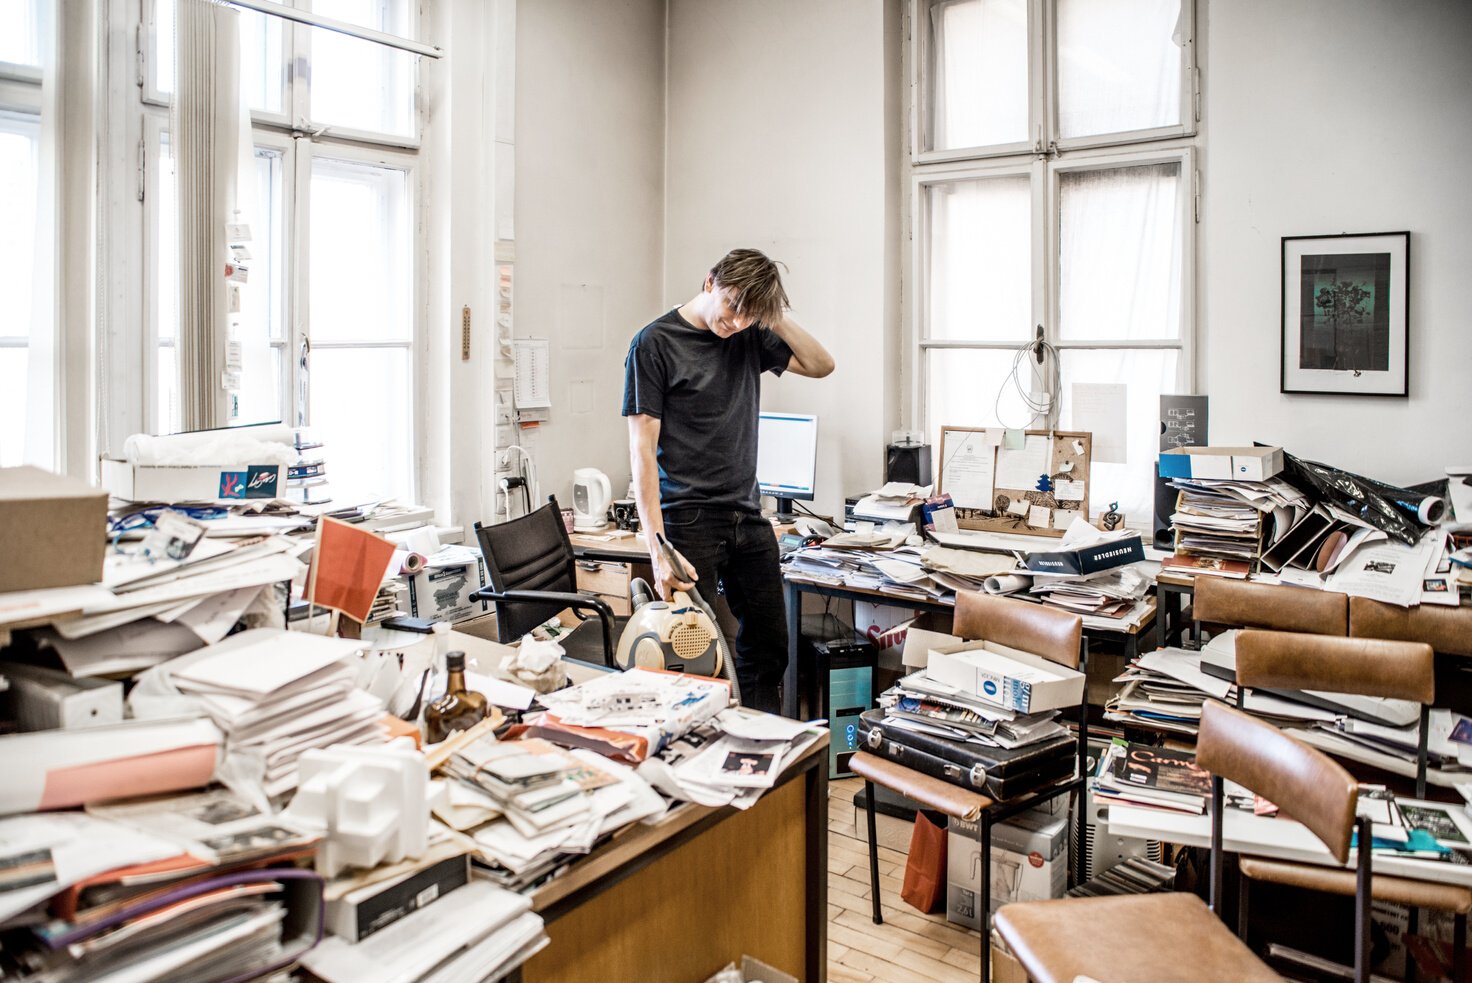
(984, 897)
(873, 852)
(1413, 919)
(1242, 882)
(1459, 949)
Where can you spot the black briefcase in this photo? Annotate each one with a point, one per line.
(1002, 773)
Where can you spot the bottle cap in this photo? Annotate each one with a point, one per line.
(455, 661)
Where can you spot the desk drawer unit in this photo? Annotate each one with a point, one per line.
(609, 581)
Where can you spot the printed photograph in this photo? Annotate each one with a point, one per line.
(1344, 312)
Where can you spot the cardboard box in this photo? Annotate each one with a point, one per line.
(886, 625)
(1005, 967)
(1241, 463)
(54, 529)
(1029, 863)
(920, 640)
(218, 484)
(1008, 677)
(442, 592)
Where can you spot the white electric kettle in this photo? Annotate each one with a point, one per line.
(591, 497)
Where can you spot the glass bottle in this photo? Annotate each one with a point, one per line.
(458, 709)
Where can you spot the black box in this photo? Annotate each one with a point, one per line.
(379, 905)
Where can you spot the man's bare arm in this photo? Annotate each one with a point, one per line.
(643, 441)
(809, 357)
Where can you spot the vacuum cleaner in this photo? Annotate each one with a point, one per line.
(680, 635)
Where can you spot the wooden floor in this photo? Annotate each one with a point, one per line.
(909, 947)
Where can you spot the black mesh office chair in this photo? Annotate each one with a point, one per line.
(533, 576)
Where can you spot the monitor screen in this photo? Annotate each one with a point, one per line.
(787, 455)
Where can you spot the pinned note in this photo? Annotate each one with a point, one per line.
(1078, 446)
(1014, 440)
(1019, 507)
(992, 436)
(1066, 467)
(1068, 491)
(1040, 517)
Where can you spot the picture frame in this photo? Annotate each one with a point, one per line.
(1346, 314)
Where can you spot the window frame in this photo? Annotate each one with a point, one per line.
(1045, 160)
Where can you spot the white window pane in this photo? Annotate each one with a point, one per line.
(359, 84)
(1120, 249)
(13, 368)
(978, 73)
(263, 295)
(262, 67)
(20, 32)
(167, 395)
(1146, 373)
(362, 268)
(167, 236)
(362, 411)
(978, 285)
(964, 389)
(1119, 66)
(19, 145)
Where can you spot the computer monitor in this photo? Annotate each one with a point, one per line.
(787, 458)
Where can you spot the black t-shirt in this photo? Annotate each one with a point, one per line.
(706, 392)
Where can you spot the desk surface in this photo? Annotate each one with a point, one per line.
(1266, 836)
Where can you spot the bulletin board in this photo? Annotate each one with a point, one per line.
(1036, 489)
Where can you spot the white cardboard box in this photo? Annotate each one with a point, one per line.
(220, 484)
(1240, 463)
(1008, 677)
(919, 642)
(886, 625)
(1029, 863)
(442, 593)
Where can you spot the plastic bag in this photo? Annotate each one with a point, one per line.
(1399, 512)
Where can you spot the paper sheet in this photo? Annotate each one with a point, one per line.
(968, 471)
(1099, 407)
(1021, 468)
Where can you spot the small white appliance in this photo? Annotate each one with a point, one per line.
(591, 496)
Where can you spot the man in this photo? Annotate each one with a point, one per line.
(692, 393)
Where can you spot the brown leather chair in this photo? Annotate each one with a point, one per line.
(1446, 629)
(1241, 604)
(1174, 938)
(1047, 632)
(1372, 667)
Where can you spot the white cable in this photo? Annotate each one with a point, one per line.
(528, 475)
(1038, 408)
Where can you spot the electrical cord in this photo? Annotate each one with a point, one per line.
(1038, 407)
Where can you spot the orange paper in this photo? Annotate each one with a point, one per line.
(347, 568)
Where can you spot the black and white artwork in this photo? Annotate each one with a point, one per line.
(1345, 306)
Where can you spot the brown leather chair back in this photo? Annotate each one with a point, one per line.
(1305, 783)
(1239, 604)
(1053, 634)
(1445, 629)
(1288, 660)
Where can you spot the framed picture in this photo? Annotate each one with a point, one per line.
(1346, 300)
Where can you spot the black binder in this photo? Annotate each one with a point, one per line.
(1002, 773)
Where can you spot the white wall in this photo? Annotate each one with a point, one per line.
(1327, 116)
(781, 137)
(589, 215)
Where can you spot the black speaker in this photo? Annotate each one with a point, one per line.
(1165, 504)
(908, 462)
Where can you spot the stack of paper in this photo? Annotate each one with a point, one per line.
(920, 703)
(633, 714)
(275, 694)
(896, 501)
(730, 760)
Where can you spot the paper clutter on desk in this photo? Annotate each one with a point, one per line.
(537, 663)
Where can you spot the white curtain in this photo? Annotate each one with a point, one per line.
(205, 129)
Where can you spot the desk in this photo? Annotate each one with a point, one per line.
(677, 900)
(1265, 836)
(795, 587)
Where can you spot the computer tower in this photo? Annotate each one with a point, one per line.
(845, 676)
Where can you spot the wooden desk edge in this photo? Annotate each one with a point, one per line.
(635, 841)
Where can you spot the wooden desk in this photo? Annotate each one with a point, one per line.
(677, 900)
(795, 587)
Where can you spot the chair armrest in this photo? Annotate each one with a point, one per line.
(571, 599)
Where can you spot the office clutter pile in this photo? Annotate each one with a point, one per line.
(977, 713)
(1165, 689)
(1259, 512)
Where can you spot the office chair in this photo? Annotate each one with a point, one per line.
(1448, 630)
(1240, 604)
(1392, 669)
(1047, 632)
(1174, 938)
(533, 574)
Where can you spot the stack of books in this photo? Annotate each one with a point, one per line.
(1153, 778)
(306, 478)
(1223, 527)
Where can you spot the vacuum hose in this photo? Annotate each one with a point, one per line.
(728, 664)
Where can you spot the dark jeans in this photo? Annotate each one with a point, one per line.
(739, 550)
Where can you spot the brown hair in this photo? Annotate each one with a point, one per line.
(755, 281)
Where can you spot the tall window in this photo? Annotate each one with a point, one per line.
(327, 320)
(1054, 182)
(20, 151)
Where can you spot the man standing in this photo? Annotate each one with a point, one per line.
(692, 393)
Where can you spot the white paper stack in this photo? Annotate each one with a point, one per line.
(276, 694)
